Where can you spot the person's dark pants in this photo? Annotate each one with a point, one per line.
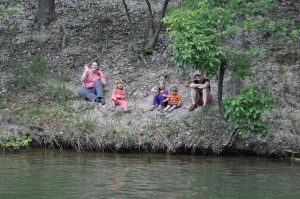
(93, 93)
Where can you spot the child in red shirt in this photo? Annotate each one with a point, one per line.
(173, 99)
(118, 97)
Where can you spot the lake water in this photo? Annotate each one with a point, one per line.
(42, 174)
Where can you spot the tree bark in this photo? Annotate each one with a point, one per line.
(240, 43)
(151, 20)
(155, 37)
(128, 17)
(46, 13)
(220, 83)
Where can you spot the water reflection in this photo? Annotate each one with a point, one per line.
(54, 174)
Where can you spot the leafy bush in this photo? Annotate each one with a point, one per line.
(245, 111)
(14, 141)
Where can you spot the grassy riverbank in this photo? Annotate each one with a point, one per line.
(39, 78)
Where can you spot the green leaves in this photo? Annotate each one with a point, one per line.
(195, 37)
(245, 111)
(14, 141)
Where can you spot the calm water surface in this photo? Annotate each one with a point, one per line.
(42, 174)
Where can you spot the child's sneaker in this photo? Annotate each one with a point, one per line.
(168, 111)
(113, 108)
(162, 110)
(127, 111)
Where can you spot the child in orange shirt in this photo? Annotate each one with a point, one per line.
(118, 97)
(173, 99)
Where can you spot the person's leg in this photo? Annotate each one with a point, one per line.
(172, 108)
(87, 93)
(169, 106)
(205, 94)
(123, 104)
(195, 97)
(160, 100)
(113, 107)
(154, 102)
(98, 91)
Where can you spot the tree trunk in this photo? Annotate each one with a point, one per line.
(151, 20)
(128, 17)
(240, 43)
(155, 37)
(220, 83)
(46, 13)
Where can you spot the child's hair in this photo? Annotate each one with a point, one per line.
(119, 81)
(161, 82)
(174, 89)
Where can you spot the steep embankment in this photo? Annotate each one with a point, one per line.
(54, 116)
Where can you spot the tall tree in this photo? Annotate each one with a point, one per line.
(151, 20)
(46, 13)
(240, 43)
(197, 28)
(128, 17)
(158, 29)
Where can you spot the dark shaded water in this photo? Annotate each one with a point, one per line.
(53, 174)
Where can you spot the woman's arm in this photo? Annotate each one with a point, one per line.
(103, 81)
(85, 72)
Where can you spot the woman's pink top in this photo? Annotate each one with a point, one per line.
(91, 77)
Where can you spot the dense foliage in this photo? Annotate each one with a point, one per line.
(197, 28)
(14, 141)
(245, 111)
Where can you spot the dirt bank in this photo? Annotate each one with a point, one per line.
(51, 113)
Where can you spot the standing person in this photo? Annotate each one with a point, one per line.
(200, 91)
(93, 81)
(160, 95)
(118, 97)
(173, 99)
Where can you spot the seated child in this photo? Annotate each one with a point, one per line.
(173, 99)
(118, 97)
(160, 96)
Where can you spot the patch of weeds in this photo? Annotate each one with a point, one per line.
(98, 17)
(32, 115)
(58, 93)
(64, 75)
(126, 137)
(117, 113)
(14, 141)
(148, 51)
(3, 103)
(100, 37)
(31, 73)
(113, 7)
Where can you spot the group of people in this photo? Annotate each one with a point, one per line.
(93, 81)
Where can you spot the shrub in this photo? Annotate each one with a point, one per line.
(14, 141)
(245, 111)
